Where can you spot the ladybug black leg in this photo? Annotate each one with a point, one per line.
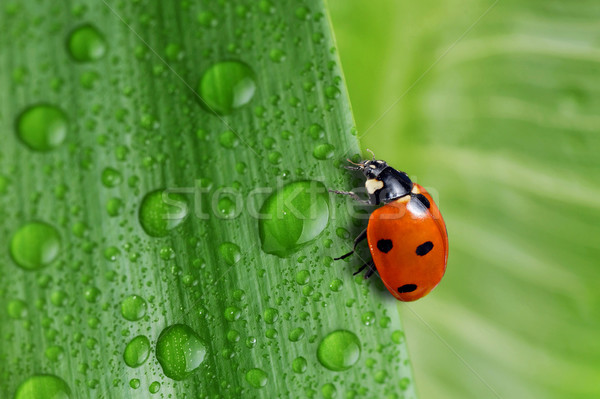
(369, 272)
(357, 240)
(351, 194)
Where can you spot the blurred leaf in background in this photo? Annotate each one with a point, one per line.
(494, 107)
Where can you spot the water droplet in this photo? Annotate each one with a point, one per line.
(302, 277)
(111, 177)
(332, 92)
(296, 334)
(43, 386)
(293, 217)
(316, 131)
(54, 353)
(342, 233)
(232, 313)
(17, 309)
(274, 157)
(174, 52)
(137, 351)
(86, 44)
(329, 391)
(257, 378)
(134, 383)
(91, 294)
(114, 206)
(299, 365)
(158, 216)
(58, 298)
(230, 253)
(271, 315)
(277, 55)
(323, 151)
(336, 285)
(227, 207)
(398, 337)
(42, 127)
(271, 333)
(35, 245)
(207, 19)
(381, 376)
(384, 322)
(368, 318)
(233, 336)
(229, 139)
(133, 307)
(180, 351)
(154, 387)
(302, 13)
(339, 350)
(227, 86)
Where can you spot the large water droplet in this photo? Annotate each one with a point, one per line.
(293, 217)
(226, 86)
(35, 245)
(180, 351)
(42, 127)
(133, 307)
(158, 216)
(137, 351)
(86, 43)
(339, 350)
(257, 378)
(43, 386)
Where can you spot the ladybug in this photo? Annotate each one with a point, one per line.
(407, 235)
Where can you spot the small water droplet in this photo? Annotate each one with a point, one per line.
(368, 318)
(293, 217)
(17, 309)
(42, 127)
(133, 307)
(398, 337)
(302, 277)
(228, 139)
(43, 386)
(86, 43)
(277, 55)
(158, 215)
(329, 391)
(336, 285)
(137, 351)
(35, 245)
(154, 387)
(114, 206)
(134, 383)
(230, 253)
(232, 313)
(299, 365)
(271, 315)
(296, 334)
(323, 151)
(227, 86)
(54, 353)
(111, 177)
(339, 350)
(257, 378)
(180, 351)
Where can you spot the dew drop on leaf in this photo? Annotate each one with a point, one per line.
(42, 127)
(43, 386)
(227, 86)
(299, 365)
(160, 215)
(323, 151)
(35, 245)
(230, 253)
(293, 217)
(257, 378)
(339, 350)
(180, 351)
(17, 309)
(137, 351)
(86, 44)
(133, 307)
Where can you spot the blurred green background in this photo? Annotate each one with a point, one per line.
(497, 112)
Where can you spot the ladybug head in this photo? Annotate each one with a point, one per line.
(373, 168)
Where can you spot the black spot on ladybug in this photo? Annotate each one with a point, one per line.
(407, 288)
(424, 248)
(385, 246)
(423, 200)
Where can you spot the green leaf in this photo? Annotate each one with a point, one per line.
(141, 140)
(495, 108)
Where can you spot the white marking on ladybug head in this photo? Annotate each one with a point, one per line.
(373, 185)
(415, 190)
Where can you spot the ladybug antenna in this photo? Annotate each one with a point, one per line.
(354, 163)
(372, 153)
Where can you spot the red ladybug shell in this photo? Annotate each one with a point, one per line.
(409, 245)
